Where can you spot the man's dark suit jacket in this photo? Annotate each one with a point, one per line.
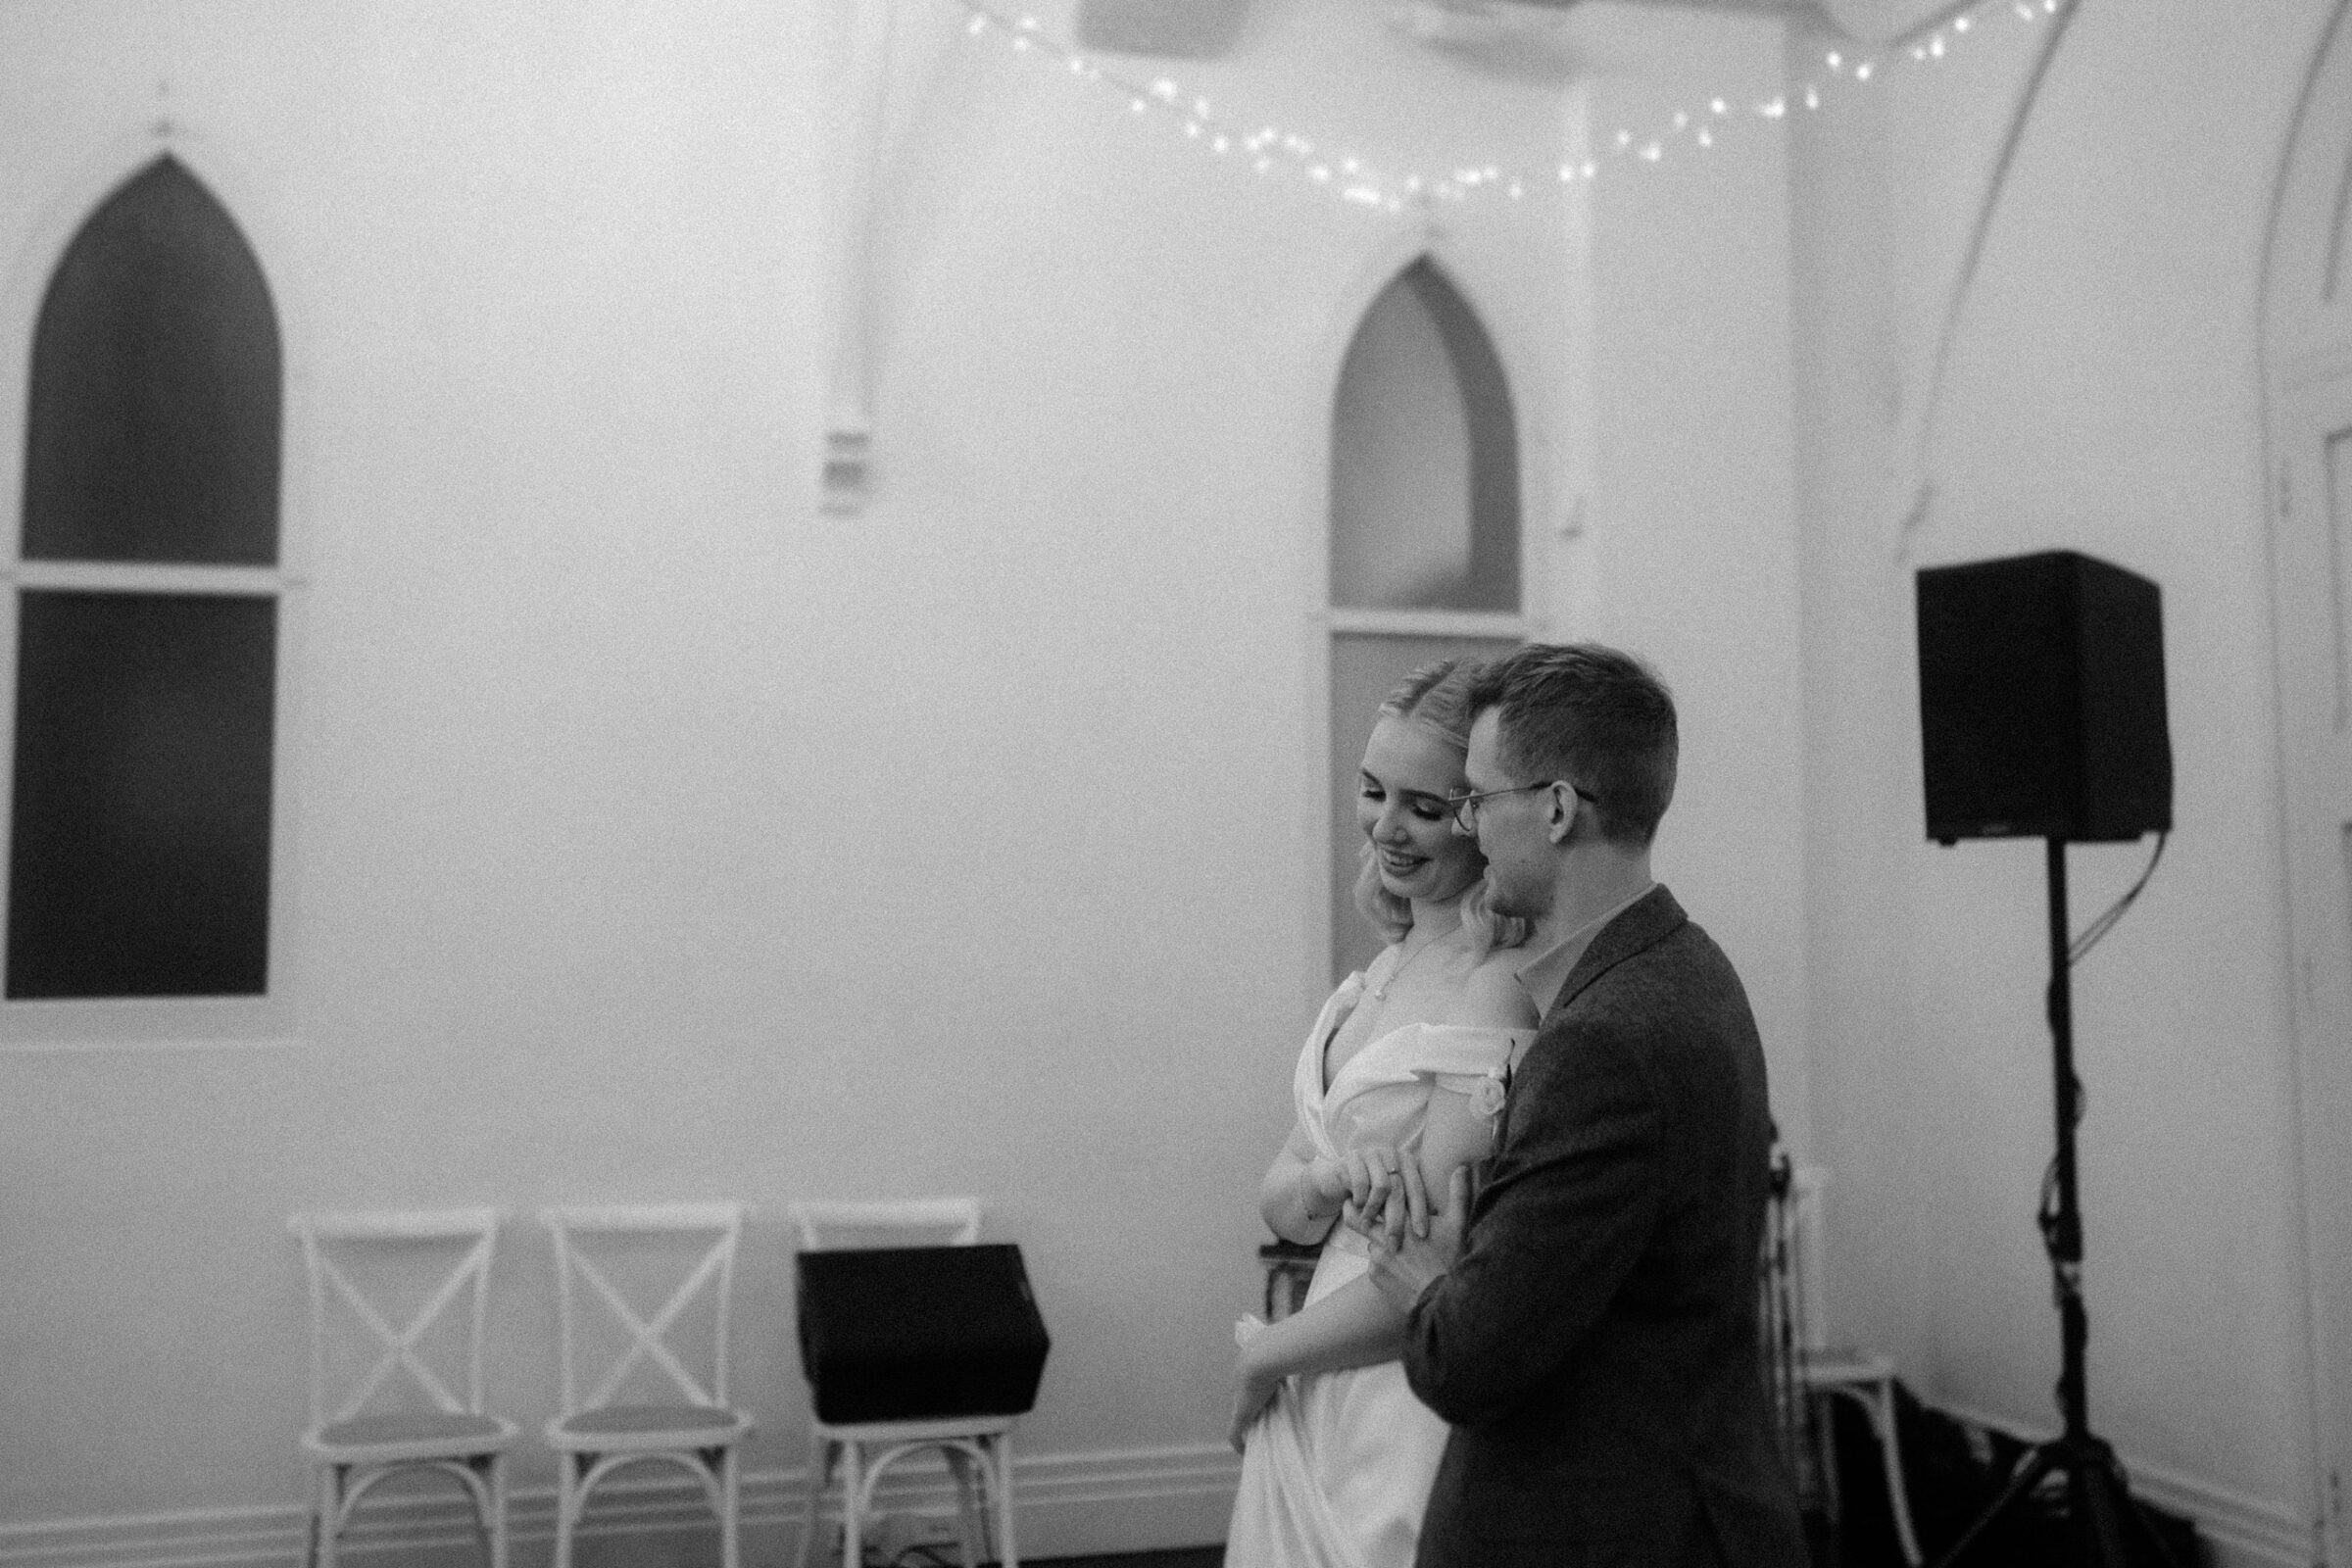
(1594, 1345)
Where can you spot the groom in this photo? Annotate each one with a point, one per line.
(1587, 1324)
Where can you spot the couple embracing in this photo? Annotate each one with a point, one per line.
(1533, 1138)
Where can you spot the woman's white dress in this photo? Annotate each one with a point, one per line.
(1337, 1471)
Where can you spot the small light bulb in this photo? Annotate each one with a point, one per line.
(977, 25)
(1836, 61)
(1720, 107)
(1681, 119)
(1862, 71)
(1706, 139)
(1591, 169)
(1625, 139)
(1517, 190)
(1961, 23)
(1812, 98)
(1935, 46)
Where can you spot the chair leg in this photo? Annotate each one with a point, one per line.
(820, 1472)
(565, 1480)
(328, 1512)
(498, 1510)
(481, 1492)
(730, 1511)
(1881, 1416)
(853, 1506)
(1824, 1450)
(1000, 1449)
(970, 1541)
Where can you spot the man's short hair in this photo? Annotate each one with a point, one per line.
(1593, 715)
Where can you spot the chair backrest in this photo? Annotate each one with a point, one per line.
(686, 1249)
(1792, 1263)
(827, 1227)
(388, 1290)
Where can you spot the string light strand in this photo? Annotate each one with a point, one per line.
(1269, 150)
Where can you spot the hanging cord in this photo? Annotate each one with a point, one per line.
(2047, 1215)
(2105, 923)
(1917, 432)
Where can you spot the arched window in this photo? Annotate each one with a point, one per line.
(147, 609)
(1425, 530)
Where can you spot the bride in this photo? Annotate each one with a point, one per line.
(1408, 1061)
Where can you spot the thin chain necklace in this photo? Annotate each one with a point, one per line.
(1379, 993)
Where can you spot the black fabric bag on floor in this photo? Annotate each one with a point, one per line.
(1953, 1477)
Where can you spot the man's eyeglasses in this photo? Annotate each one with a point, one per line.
(1465, 807)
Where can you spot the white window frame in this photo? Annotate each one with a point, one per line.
(274, 1017)
(1326, 622)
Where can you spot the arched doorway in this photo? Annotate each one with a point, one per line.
(2306, 365)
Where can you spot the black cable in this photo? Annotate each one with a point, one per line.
(2105, 923)
(2045, 1213)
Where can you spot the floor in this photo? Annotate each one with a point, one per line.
(1186, 1557)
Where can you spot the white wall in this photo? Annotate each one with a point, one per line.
(656, 835)
(1691, 548)
(2102, 396)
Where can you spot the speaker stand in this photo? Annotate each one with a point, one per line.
(2100, 1513)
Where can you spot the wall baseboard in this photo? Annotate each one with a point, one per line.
(2244, 1531)
(1070, 1506)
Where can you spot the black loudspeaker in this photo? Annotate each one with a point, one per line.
(2042, 701)
(905, 1333)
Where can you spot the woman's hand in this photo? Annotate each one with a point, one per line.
(1254, 1385)
(1369, 1184)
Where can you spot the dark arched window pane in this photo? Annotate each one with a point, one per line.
(1425, 459)
(139, 857)
(153, 431)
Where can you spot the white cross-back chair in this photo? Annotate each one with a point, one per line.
(977, 1448)
(389, 1291)
(1819, 1369)
(662, 1396)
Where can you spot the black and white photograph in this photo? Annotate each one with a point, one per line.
(1175, 783)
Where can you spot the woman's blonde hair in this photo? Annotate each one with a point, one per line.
(1435, 697)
